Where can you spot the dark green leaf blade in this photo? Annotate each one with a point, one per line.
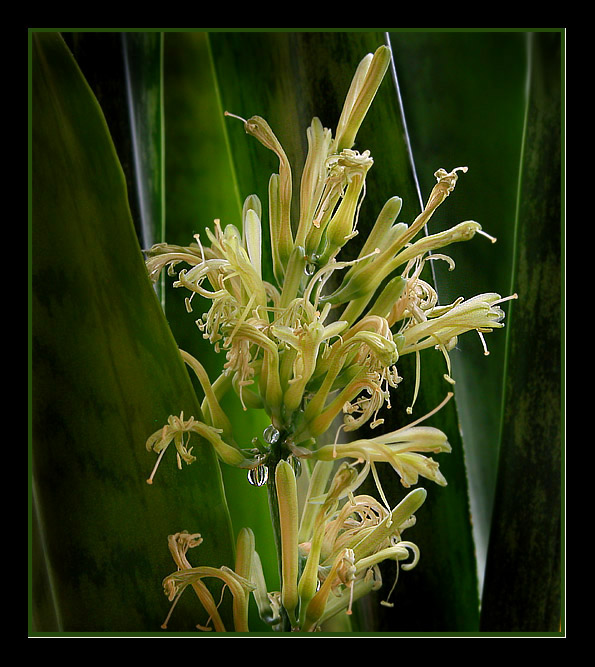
(124, 70)
(106, 374)
(201, 187)
(522, 591)
(143, 62)
(464, 98)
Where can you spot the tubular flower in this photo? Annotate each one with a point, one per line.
(343, 539)
(401, 449)
(350, 536)
(314, 338)
(186, 575)
(302, 352)
(442, 325)
(175, 430)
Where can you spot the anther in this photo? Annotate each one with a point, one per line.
(493, 239)
(161, 453)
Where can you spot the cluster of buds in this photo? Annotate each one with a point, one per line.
(310, 354)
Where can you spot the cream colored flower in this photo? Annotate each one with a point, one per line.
(343, 538)
(178, 431)
(234, 580)
(404, 450)
(323, 340)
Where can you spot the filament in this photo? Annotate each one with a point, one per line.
(161, 453)
(233, 115)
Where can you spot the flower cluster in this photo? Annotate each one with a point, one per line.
(321, 340)
(330, 555)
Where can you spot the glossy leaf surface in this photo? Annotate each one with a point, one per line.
(106, 374)
(523, 587)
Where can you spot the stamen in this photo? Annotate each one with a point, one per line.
(188, 302)
(409, 410)
(161, 453)
(506, 298)
(202, 252)
(493, 239)
(204, 628)
(448, 376)
(483, 342)
(233, 115)
(386, 603)
(381, 492)
(359, 205)
(429, 414)
(174, 603)
(349, 611)
(336, 441)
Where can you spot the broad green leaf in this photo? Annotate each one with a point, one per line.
(464, 100)
(106, 374)
(288, 78)
(522, 591)
(200, 187)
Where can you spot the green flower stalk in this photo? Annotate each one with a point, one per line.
(311, 355)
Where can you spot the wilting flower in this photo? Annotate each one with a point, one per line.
(235, 580)
(443, 324)
(176, 430)
(343, 538)
(340, 540)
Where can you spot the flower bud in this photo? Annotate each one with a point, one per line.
(401, 513)
(288, 519)
(253, 239)
(364, 87)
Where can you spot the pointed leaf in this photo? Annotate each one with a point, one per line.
(106, 374)
(464, 98)
(522, 591)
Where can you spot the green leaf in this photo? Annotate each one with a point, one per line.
(124, 71)
(522, 591)
(464, 99)
(106, 374)
(143, 61)
(201, 186)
